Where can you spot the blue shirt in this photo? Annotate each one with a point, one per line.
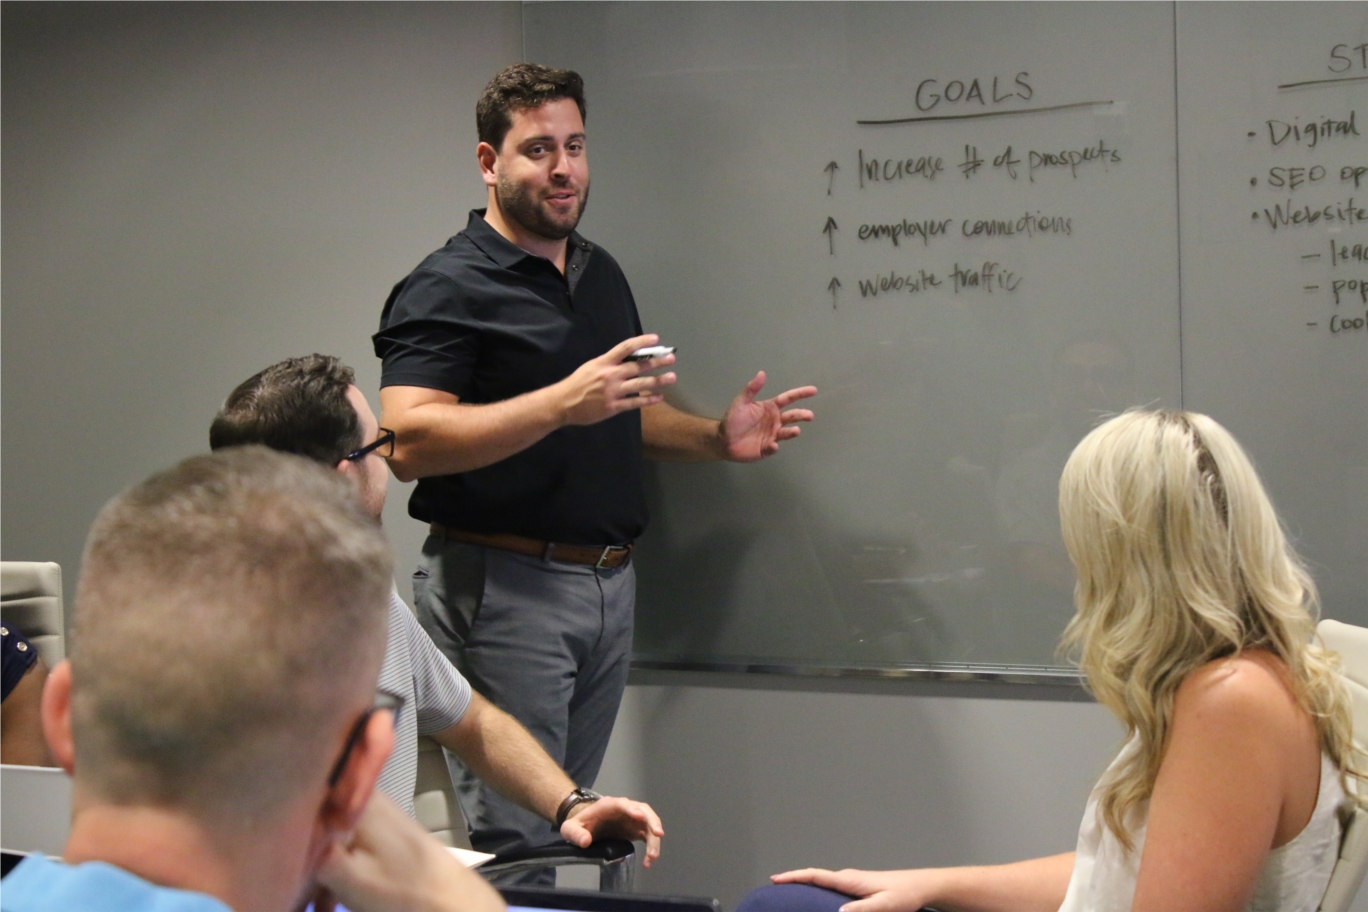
(39, 884)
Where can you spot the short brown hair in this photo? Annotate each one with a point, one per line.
(521, 87)
(299, 405)
(230, 615)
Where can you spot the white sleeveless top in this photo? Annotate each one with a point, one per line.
(1293, 877)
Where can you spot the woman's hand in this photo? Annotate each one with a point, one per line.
(1037, 885)
(876, 891)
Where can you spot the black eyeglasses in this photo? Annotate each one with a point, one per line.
(384, 700)
(384, 445)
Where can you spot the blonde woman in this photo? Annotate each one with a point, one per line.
(1193, 627)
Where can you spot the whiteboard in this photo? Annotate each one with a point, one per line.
(1274, 343)
(970, 288)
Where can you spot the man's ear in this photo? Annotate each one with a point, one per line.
(353, 790)
(346, 801)
(350, 471)
(56, 716)
(488, 157)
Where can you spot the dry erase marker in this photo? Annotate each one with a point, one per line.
(654, 351)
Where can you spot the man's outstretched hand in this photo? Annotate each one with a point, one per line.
(752, 430)
(622, 818)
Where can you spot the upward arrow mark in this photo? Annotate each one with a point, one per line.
(834, 284)
(831, 170)
(827, 229)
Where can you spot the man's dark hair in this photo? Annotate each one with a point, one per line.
(521, 87)
(297, 406)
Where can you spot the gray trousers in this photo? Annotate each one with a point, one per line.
(547, 642)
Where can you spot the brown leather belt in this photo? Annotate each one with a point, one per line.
(608, 557)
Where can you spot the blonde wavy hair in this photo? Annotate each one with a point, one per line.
(1181, 560)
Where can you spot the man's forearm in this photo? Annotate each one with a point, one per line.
(670, 435)
(437, 434)
(446, 437)
(506, 757)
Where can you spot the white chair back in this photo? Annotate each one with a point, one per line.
(434, 799)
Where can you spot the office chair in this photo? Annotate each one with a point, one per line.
(436, 807)
(31, 600)
(1352, 645)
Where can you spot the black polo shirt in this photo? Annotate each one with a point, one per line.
(486, 320)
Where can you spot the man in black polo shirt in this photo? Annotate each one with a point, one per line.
(506, 383)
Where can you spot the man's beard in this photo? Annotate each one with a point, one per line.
(518, 205)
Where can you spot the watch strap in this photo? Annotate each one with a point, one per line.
(577, 797)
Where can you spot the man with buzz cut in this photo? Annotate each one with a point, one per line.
(508, 377)
(218, 713)
(310, 406)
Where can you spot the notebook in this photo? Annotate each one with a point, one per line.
(35, 809)
(545, 899)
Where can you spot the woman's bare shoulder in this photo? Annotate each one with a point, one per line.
(1252, 688)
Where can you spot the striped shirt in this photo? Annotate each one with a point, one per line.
(435, 697)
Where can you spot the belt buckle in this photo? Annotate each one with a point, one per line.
(607, 549)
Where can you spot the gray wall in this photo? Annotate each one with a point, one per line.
(753, 777)
(193, 192)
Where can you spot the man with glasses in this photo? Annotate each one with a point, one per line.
(218, 764)
(311, 406)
